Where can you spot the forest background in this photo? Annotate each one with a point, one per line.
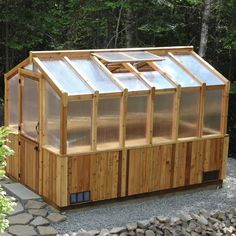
(208, 25)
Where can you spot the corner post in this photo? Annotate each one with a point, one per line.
(94, 121)
(63, 123)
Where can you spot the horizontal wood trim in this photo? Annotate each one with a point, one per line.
(155, 50)
(31, 74)
(14, 70)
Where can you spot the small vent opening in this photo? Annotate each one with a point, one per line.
(210, 175)
(79, 197)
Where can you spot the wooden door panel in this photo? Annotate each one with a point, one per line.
(29, 164)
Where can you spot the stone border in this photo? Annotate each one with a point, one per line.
(186, 224)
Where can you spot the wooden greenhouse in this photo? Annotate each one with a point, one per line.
(91, 125)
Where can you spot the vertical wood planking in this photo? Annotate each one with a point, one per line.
(179, 165)
(104, 175)
(197, 158)
(46, 188)
(55, 178)
(13, 162)
(165, 166)
(213, 154)
(79, 174)
(29, 164)
(124, 172)
(224, 158)
(62, 181)
(149, 169)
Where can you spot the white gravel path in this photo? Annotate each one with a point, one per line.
(120, 213)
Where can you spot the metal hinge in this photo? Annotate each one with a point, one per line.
(19, 142)
(19, 128)
(19, 81)
(19, 175)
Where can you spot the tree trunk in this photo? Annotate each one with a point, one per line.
(204, 28)
(128, 28)
(118, 24)
(6, 40)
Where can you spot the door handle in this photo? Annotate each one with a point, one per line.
(36, 148)
(37, 128)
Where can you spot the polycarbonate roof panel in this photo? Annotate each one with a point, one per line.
(32, 67)
(130, 81)
(66, 77)
(112, 56)
(157, 80)
(177, 73)
(90, 71)
(143, 55)
(199, 69)
(29, 67)
(127, 56)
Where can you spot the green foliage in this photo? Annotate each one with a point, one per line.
(73, 24)
(233, 87)
(6, 203)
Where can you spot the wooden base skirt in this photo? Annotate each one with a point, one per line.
(66, 180)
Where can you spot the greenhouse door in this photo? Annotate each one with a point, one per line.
(29, 146)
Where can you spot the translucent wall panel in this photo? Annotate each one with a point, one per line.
(212, 116)
(199, 69)
(13, 102)
(30, 107)
(176, 72)
(136, 120)
(188, 117)
(79, 123)
(67, 79)
(108, 121)
(163, 116)
(130, 81)
(90, 71)
(157, 80)
(52, 116)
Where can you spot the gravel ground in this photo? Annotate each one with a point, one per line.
(121, 213)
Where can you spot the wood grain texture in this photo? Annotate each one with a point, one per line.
(213, 154)
(174, 165)
(104, 176)
(180, 164)
(224, 158)
(113, 174)
(79, 174)
(29, 163)
(55, 178)
(149, 169)
(13, 162)
(97, 173)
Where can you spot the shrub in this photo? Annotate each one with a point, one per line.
(6, 203)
